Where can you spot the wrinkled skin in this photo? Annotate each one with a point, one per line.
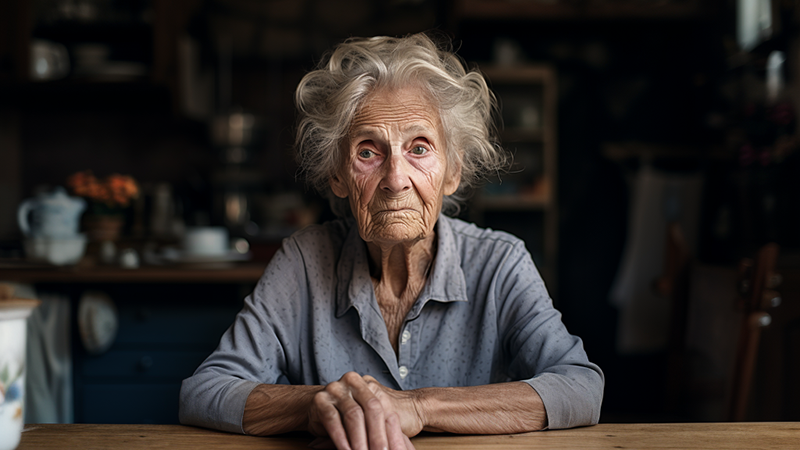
(359, 413)
(395, 173)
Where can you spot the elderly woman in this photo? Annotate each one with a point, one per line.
(395, 318)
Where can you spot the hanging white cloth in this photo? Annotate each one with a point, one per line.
(657, 199)
(48, 359)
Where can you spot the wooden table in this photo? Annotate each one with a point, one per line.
(760, 435)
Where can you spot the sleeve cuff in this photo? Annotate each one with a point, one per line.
(564, 405)
(223, 411)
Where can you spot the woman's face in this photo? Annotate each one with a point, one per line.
(395, 170)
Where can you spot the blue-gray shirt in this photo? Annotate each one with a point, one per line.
(484, 316)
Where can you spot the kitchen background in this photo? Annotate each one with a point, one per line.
(642, 113)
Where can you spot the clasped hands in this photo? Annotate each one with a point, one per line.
(359, 413)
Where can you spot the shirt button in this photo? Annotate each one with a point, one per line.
(403, 371)
(405, 337)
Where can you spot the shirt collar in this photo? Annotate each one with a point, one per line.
(446, 282)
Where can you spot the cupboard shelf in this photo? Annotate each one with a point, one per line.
(525, 202)
(572, 10)
(511, 135)
(136, 43)
(513, 203)
(107, 32)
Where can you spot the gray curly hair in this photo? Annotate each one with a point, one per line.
(328, 98)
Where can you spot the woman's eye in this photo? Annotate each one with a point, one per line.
(366, 154)
(419, 150)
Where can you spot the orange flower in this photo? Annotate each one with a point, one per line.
(115, 190)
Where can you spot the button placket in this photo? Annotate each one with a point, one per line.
(404, 359)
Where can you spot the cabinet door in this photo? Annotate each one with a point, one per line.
(143, 323)
(143, 365)
(129, 403)
(165, 332)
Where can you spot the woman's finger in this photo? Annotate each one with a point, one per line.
(394, 433)
(331, 420)
(409, 445)
(371, 408)
(352, 416)
(394, 402)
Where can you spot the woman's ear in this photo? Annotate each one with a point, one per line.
(453, 180)
(338, 187)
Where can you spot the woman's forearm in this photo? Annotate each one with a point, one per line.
(491, 409)
(277, 408)
(502, 408)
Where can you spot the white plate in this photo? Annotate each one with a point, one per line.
(98, 321)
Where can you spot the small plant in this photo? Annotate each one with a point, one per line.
(106, 196)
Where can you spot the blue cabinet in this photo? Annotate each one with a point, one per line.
(165, 331)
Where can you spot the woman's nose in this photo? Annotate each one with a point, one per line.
(396, 178)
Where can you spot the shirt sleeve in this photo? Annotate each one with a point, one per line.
(252, 350)
(540, 350)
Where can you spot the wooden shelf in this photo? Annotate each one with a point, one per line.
(594, 10)
(512, 202)
(238, 273)
(87, 95)
(128, 33)
(512, 135)
(517, 74)
(647, 151)
(526, 203)
(538, 196)
(152, 44)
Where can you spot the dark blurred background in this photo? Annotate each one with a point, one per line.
(681, 107)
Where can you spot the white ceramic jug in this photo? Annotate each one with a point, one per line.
(54, 215)
(13, 333)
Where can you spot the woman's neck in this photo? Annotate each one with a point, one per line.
(398, 275)
(400, 266)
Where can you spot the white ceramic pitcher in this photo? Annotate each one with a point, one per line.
(54, 215)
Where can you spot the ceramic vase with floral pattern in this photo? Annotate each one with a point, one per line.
(13, 322)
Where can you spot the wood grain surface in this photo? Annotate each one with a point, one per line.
(760, 435)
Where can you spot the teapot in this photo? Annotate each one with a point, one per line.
(53, 215)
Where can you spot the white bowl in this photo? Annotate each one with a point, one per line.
(206, 241)
(58, 251)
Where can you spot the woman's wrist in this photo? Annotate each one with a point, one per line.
(429, 403)
(274, 409)
(419, 406)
